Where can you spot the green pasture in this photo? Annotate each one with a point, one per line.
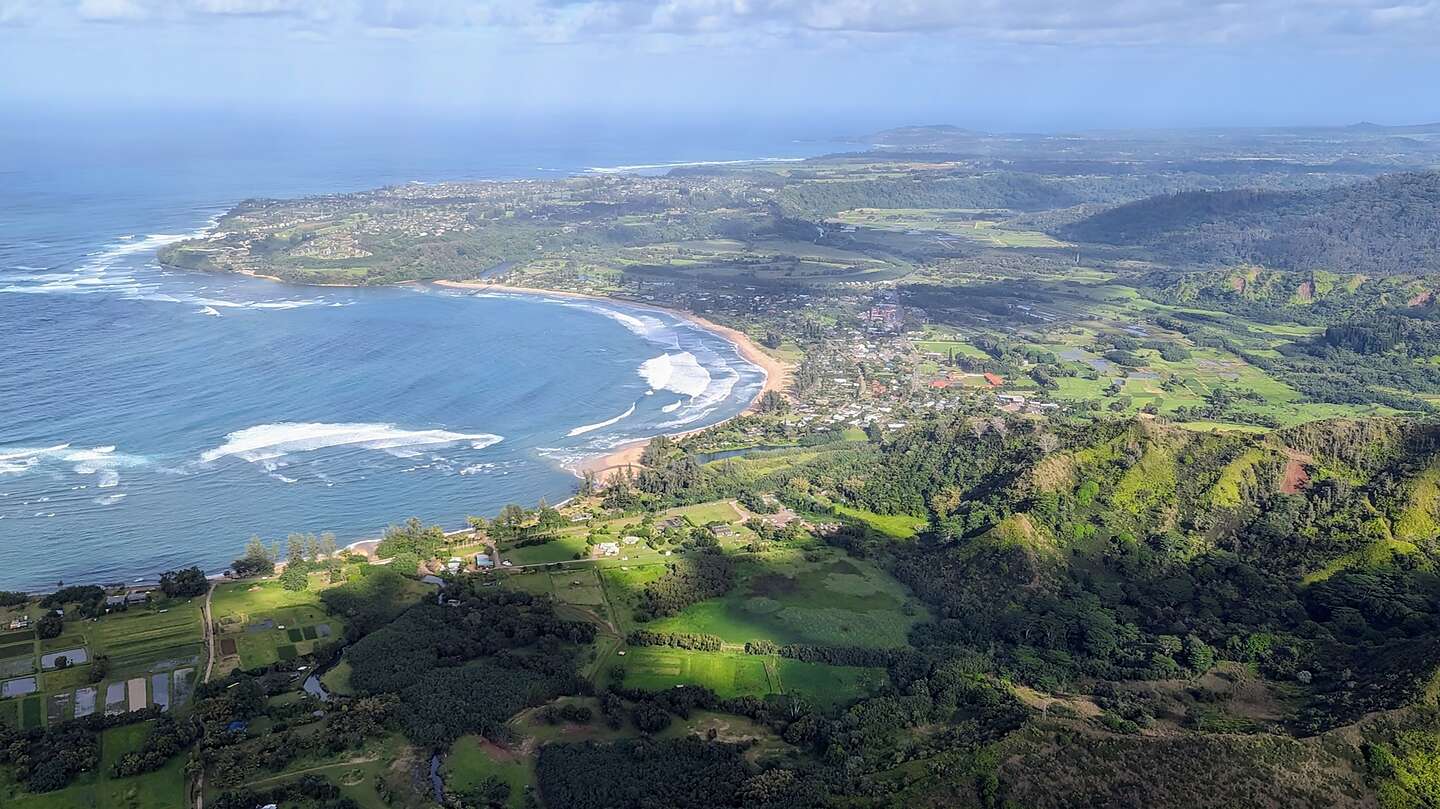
(828, 685)
(138, 639)
(240, 608)
(785, 598)
(733, 674)
(561, 549)
(727, 674)
(984, 227)
(470, 762)
(898, 526)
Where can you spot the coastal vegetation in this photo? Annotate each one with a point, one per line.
(1079, 472)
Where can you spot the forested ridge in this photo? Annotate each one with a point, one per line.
(1383, 226)
(1135, 550)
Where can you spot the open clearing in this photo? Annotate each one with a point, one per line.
(787, 598)
(263, 623)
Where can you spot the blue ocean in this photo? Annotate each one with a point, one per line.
(151, 419)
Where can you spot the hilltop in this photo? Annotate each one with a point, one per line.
(1384, 226)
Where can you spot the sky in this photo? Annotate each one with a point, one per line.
(998, 65)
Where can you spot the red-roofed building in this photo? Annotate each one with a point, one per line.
(995, 380)
(939, 384)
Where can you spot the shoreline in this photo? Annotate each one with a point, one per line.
(777, 372)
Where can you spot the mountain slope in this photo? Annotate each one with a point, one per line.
(1136, 550)
(1383, 226)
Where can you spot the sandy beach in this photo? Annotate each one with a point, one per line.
(777, 372)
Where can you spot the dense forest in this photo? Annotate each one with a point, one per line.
(470, 663)
(1041, 189)
(1384, 226)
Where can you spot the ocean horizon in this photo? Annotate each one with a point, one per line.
(152, 418)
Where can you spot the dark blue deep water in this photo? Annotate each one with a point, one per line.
(152, 419)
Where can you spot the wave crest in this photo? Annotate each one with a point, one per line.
(267, 442)
(600, 425)
(103, 462)
(679, 373)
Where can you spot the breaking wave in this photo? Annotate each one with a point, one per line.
(679, 373)
(268, 442)
(125, 268)
(102, 462)
(600, 425)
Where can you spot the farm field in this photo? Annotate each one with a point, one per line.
(727, 674)
(153, 653)
(793, 597)
(260, 622)
(983, 226)
(138, 640)
(569, 545)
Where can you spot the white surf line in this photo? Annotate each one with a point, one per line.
(599, 425)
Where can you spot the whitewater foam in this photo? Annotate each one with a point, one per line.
(265, 442)
(110, 270)
(679, 373)
(650, 327)
(103, 462)
(716, 391)
(600, 425)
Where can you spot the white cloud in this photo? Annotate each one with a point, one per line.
(242, 8)
(17, 12)
(112, 10)
(973, 22)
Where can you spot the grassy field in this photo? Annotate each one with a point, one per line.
(337, 679)
(787, 598)
(733, 674)
(899, 526)
(139, 640)
(561, 549)
(242, 608)
(570, 542)
(472, 760)
(827, 685)
(947, 348)
(984, 227)
(764, 259)
(578, 585)
(728, 675)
